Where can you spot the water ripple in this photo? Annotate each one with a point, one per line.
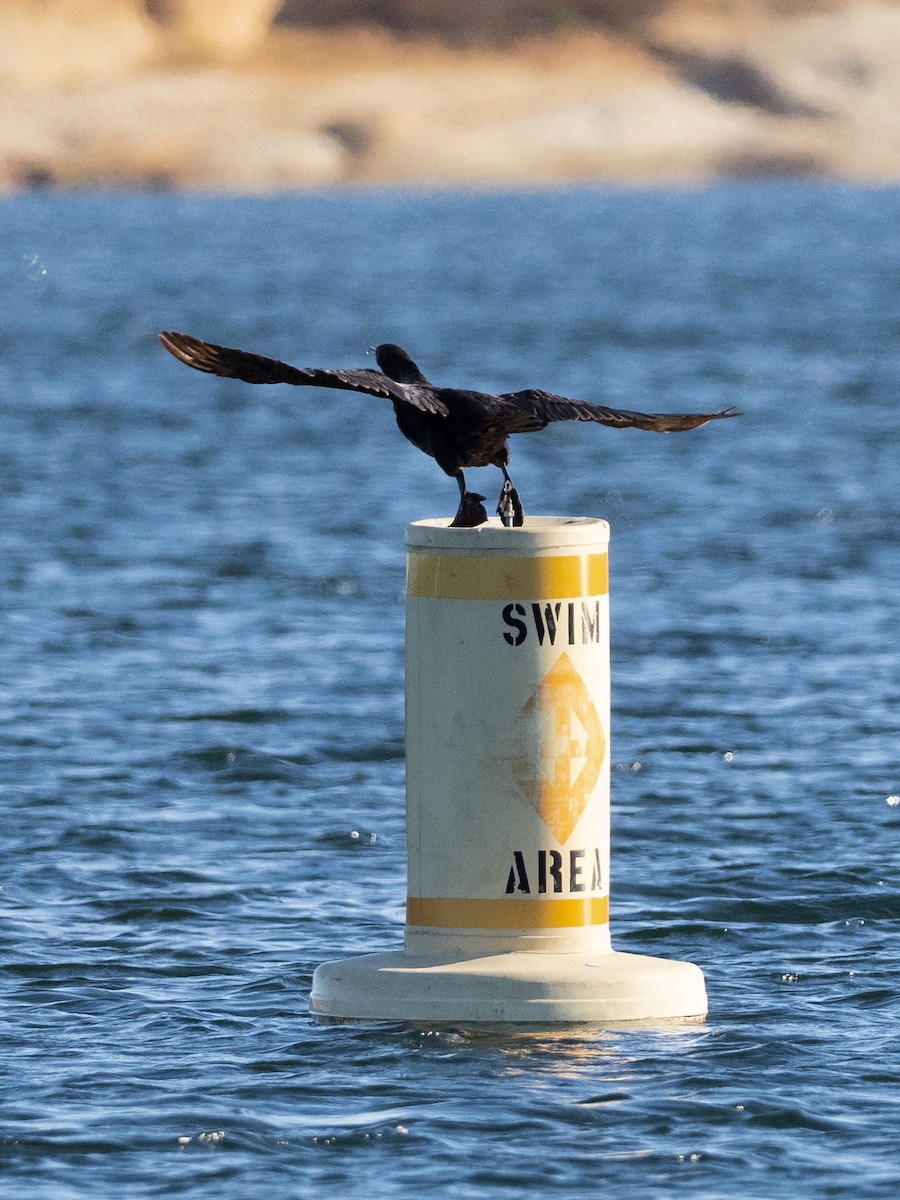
(201, 689)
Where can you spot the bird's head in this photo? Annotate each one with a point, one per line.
(397, 365)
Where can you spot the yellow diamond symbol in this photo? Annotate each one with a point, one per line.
(562, 748)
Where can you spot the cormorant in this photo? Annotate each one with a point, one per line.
(457, 428)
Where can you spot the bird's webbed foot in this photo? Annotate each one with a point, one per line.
(512, 514)
(471, 512)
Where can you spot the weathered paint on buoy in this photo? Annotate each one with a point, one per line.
(507, 715)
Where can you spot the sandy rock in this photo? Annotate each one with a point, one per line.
(829, 71)
(214, 29)
(814, 93)
(846, 66)
(65, 41)
(181, 129)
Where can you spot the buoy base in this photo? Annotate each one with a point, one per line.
(515, 988)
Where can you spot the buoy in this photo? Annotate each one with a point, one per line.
(508, 773)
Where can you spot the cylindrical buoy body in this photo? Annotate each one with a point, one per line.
(508, 770)
(507, 718)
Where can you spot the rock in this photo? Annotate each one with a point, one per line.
(56, 43)
(214, 29)
(686, 98)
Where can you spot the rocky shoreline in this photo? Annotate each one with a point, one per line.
(695, 97)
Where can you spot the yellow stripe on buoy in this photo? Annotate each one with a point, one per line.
(466, 577)
(452, 913)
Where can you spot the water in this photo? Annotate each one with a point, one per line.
(201, 761)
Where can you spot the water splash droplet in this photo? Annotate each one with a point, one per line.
(33, 266)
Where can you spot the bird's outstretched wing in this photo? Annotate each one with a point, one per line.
(256, 368)
(559, 408)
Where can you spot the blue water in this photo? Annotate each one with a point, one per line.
(201, 756)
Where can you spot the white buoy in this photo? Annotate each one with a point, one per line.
(507, 759)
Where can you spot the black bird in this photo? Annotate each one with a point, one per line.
(457, 428)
